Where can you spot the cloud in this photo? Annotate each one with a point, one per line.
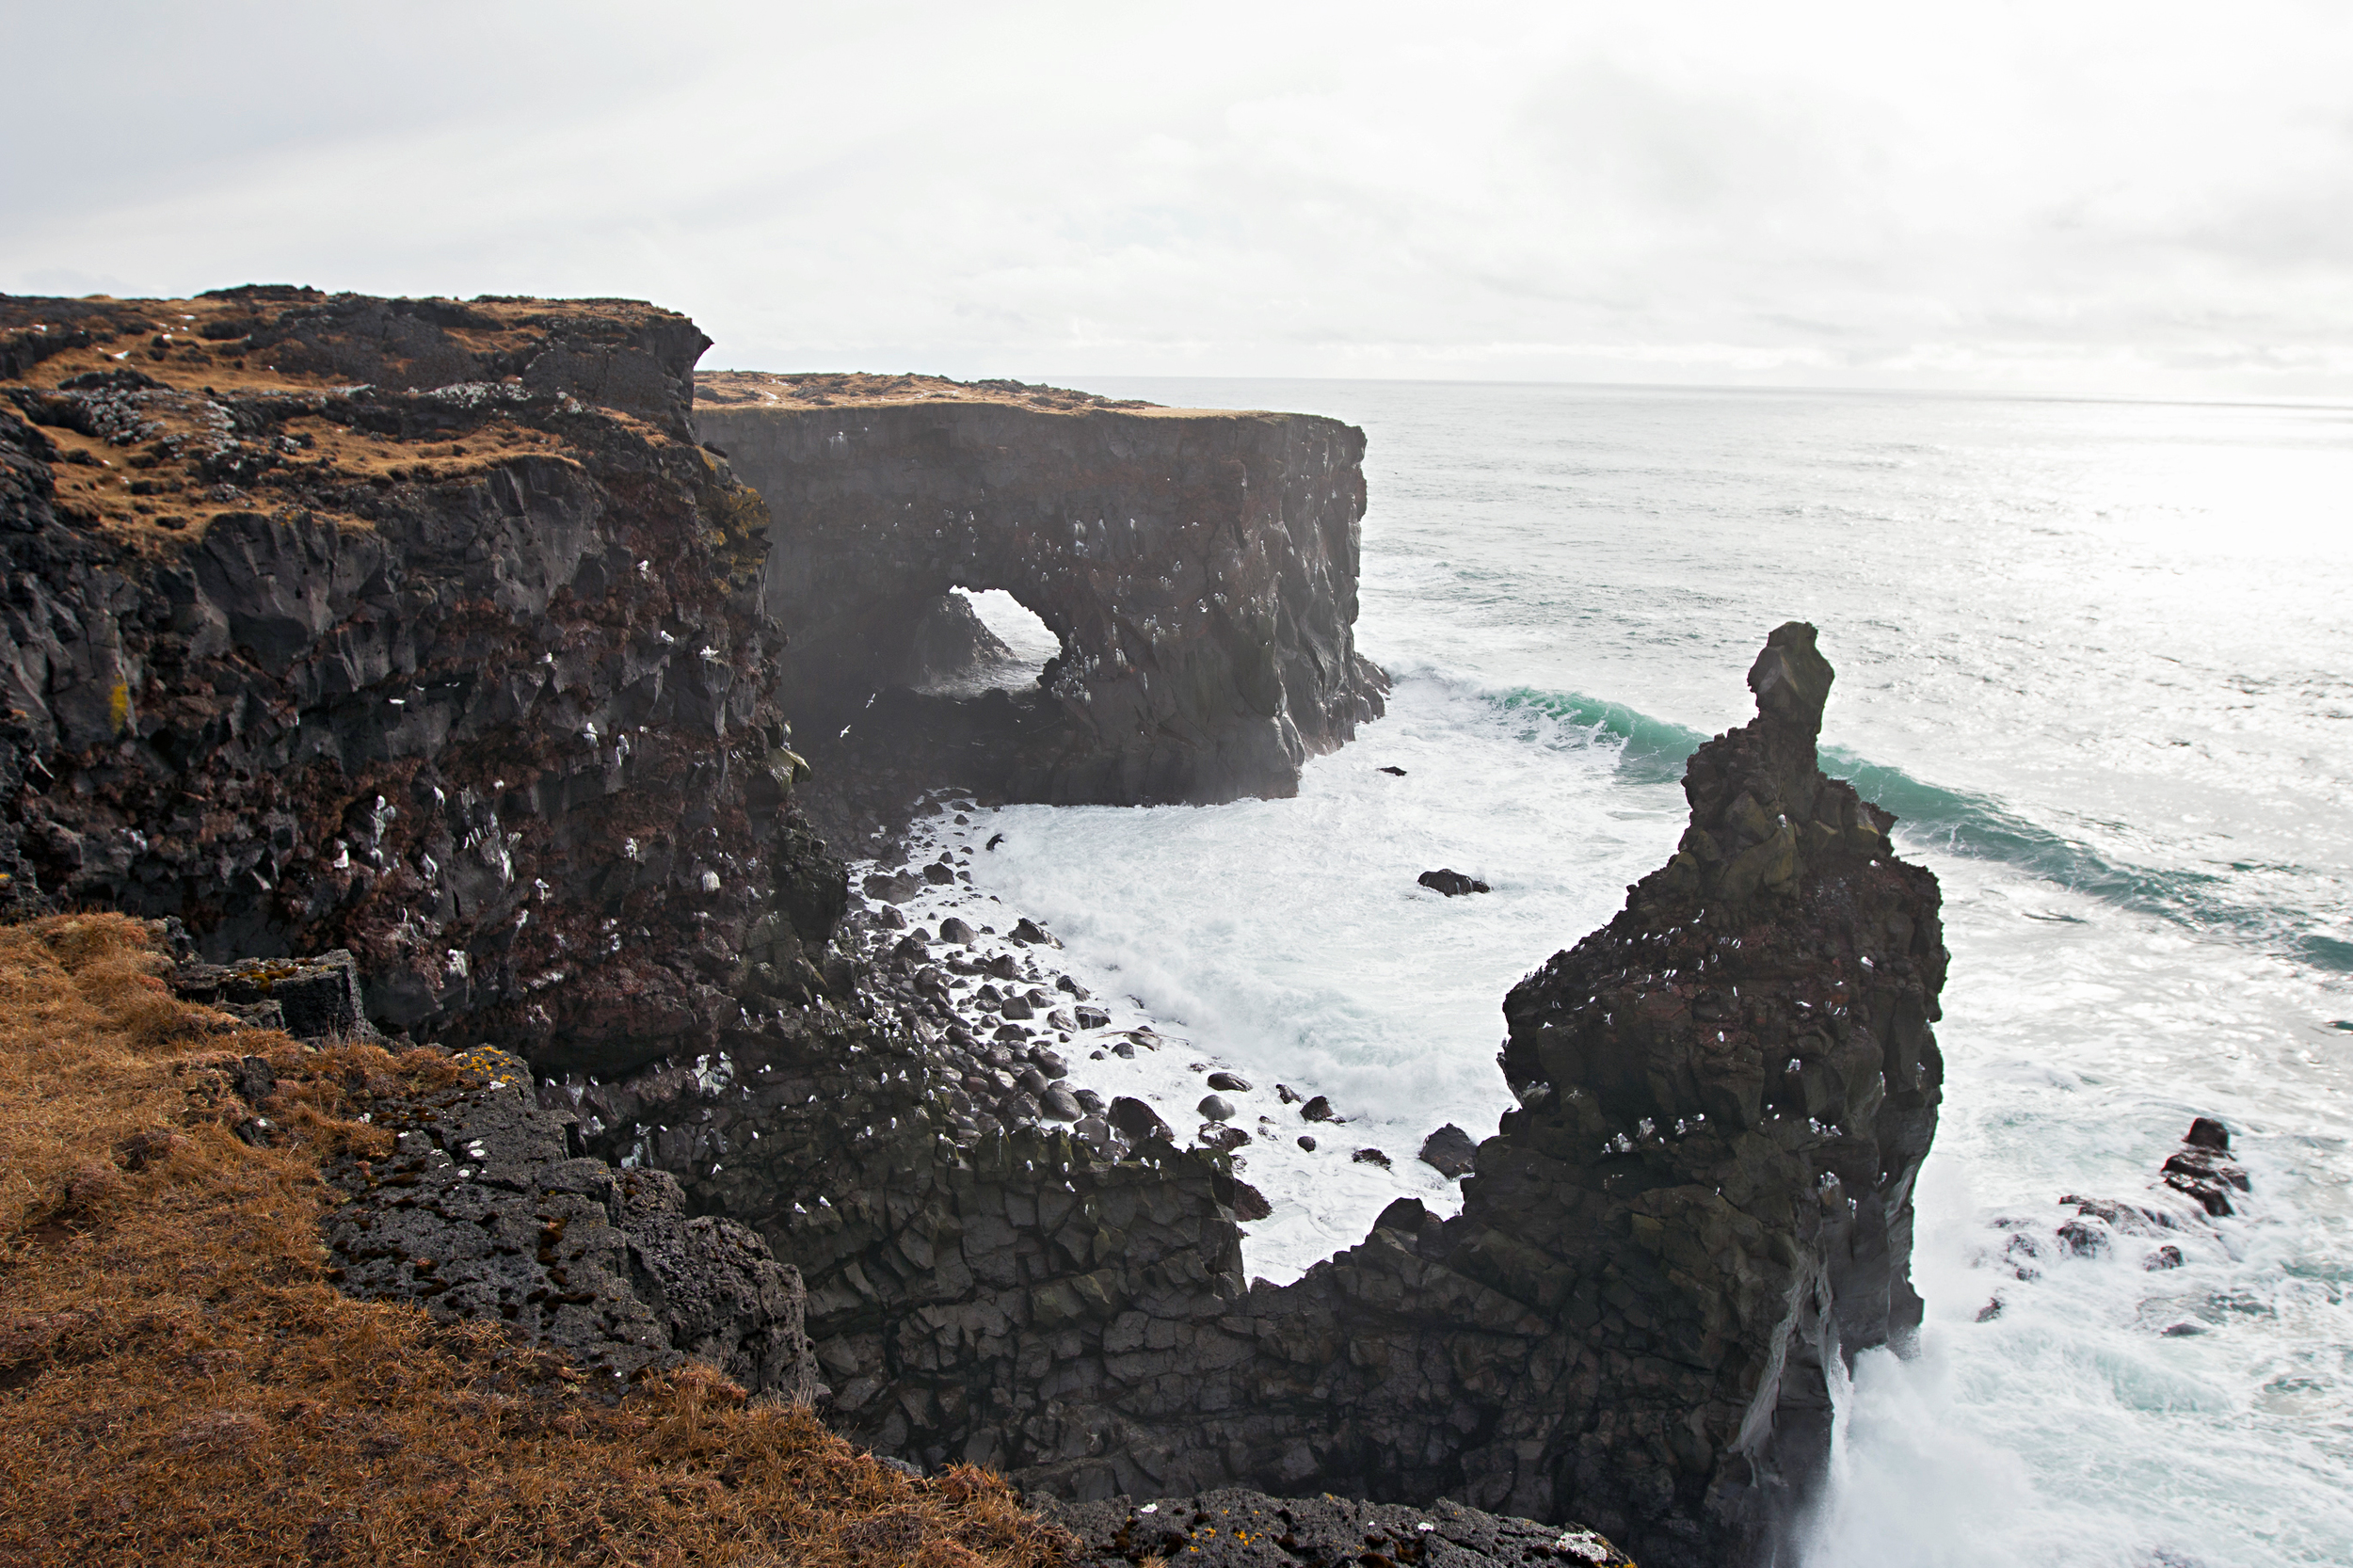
(2097, 197)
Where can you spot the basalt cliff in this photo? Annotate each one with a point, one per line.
(1197, 567)
(434, 633)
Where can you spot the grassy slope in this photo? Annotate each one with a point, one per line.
(177, 1382)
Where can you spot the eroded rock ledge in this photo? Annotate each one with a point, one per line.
(1198, 567)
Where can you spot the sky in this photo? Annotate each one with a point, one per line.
(2074, 199)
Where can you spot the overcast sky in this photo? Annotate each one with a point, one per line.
(2139, 199)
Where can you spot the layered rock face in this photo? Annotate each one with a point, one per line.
(1199, 569)
(418, 628)
(1705, 1199)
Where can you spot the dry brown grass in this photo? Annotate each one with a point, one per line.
(177, 1382)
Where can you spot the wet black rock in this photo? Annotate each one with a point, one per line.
(1228, 1084)
(1370, 1157)
(1026, 930)
(2202, 1169)
(1318, 1110)
(1307, 1142)
(1216, 1107)
(1059, 1104)
(1450, 1151)
(956, 931)
(1091, 1017)
(1453, 883)
(1393, 772)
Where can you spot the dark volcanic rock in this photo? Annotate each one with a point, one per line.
(1450, 1151)
(1602, 1333)
(441, 642)
(482, 1213)
(1235, 1528)
(1200, 569)
(1453, 883)
(315, 998)
(2202, 1169)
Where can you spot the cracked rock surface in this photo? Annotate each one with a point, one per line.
(482, 1213)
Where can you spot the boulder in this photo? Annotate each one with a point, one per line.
(1138, 1121)
(1453, 883)
(1449, 1151)
(954, 929)
(1216, 1107)
(1228, 1084)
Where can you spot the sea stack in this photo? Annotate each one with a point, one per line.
(1727, 1093)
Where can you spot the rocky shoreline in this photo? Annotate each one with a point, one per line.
(428, 632)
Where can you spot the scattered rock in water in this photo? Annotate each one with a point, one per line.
(1048, 1063)
(1138, 1121)
(2167, 1256)
(1089, 1101)
(1287, 1094)
(1015, 1007)
(1061, 1104)
(1370, 1157)
(994, 840)
(890, 888)
(1077, 992)
(1228, 1084)
(1003, 967)
(940, 873)
(1094, 1017)
(954, 929)
(1013, 1035)
(1392, 772)
(1219, 1135)
(1449, 1151)
(1061, 1020)
(1307, 1142)
(1217, 1108)
(890, 918)
(1318, 1110)
(1028, 930)
(1453, 883)
(2201, 1171)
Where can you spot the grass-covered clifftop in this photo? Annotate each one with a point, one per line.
(180, 1382)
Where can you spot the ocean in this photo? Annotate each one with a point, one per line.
(2096, 656)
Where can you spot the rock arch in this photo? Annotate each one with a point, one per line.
(1199, 569)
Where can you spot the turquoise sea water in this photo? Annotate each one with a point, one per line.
(2097, 656)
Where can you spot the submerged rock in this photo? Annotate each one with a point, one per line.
(1453, 883)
